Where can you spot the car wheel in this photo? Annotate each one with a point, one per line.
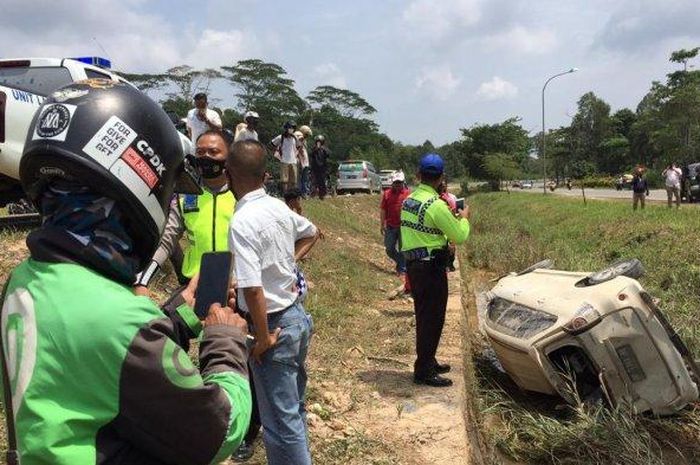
(631, 268)
(544, 264)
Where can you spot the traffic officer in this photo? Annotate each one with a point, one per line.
(427, 224)
(204, 218)
(91, 372)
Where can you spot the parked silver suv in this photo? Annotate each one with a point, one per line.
(357, 175)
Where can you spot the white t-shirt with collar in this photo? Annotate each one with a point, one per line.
(262, 235)
(197, 126)
(290, 146)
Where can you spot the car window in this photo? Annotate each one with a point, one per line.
(353, 166)
(371, 167)
(92, 74)
(39, 80)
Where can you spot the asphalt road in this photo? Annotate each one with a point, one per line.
(655, 195)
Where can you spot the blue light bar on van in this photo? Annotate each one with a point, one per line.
(94, 61)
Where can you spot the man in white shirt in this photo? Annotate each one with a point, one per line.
(673, 175)
(247, 129)
(286, 149)
(201, 119)
(267, 238)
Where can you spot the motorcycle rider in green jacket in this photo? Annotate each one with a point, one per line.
(98, 375)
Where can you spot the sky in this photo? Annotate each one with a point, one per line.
(429, 67)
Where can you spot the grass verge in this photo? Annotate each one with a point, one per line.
(510, 232)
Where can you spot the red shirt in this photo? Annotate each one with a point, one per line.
(391, 204)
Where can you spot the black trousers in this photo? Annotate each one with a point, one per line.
(255, 423)
(429, 289)
(319, 180)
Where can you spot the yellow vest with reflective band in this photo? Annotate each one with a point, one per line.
(206, 218)
(427, 222)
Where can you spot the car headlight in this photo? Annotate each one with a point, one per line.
(584, 318)
(517, 320)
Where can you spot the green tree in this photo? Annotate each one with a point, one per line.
(346, 102)
(265, 88)
(501, 167)
(590, 127)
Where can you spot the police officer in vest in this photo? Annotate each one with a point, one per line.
(427, 224)
(204, 218)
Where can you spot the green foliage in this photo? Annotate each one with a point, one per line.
(588, 238)
(346, 102)
(501, 167)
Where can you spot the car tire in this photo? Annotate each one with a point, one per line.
(546, 264)
(630, 268)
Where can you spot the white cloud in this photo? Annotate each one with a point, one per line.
(439, 82)
(331, 75)
(525, 40)
(214, 48)
(496, 89)
(437, 19)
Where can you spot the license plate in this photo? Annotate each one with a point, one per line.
(350, 176)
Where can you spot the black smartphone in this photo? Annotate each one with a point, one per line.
(214, 281)
(460, 203)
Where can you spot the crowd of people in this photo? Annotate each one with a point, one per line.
(299, 168)
(100, 374)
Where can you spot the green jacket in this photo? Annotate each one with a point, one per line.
(427, 222)
(206, 218)
(100, 376)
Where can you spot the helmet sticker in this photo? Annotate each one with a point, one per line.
(53, 122)
(139, 165)
(110, 141)
(98, 83)
(62, 95)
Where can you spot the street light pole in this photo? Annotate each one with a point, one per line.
(544, 143)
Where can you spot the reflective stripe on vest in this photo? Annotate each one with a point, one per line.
(206, 218)
(420, 210)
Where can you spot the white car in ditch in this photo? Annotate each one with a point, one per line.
(582, 335)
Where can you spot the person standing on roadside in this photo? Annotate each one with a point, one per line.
(640, 188)
(390, 220)
(319, 165)
(673, 175)
(267, 239)
(247, 130)
(302, 134)
(427, 225)
(286, 149)
(204, 218)
(201, 119)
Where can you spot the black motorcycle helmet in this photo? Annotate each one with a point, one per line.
(290, 125)
(112, 138)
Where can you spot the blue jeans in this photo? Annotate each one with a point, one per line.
(392, 243)
(304, 181)
(280, 384)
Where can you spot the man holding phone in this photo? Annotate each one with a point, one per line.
(267, 238)
(427, 225)
(92, 373)
(201, 119)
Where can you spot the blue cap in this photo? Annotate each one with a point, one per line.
(431, 164)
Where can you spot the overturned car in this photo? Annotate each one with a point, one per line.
(583, 335)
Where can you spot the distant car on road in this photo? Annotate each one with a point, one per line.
(624, 182)
(357, 176)
(526, 184)
(590, 336)
(386, 176)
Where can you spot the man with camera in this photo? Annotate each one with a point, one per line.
(427, 225)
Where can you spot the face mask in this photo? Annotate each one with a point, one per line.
(290, 131)
(210, 168)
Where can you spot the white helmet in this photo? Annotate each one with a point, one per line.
(251, 114)
(398, 177)
(306, 131)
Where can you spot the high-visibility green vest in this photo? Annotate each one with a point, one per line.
(206, 217)
(427, 222)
